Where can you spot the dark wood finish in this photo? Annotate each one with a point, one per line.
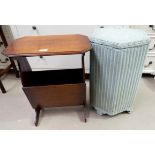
(83, 67)
(87, 76)
(37, 110)
(24, 66)
(85, 112)
(84, 103)
(2, 87)
(48, 45)
(56, 95)
(14, 67)
(52, 77)
(54, 88)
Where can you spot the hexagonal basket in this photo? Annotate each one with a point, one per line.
(116, 66)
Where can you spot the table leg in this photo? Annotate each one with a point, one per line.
(2, 87)
(85, 112)
(84, 104)
(37, 110)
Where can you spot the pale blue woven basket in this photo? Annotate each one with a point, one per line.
(116, 65)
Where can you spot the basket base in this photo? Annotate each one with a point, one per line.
(101, 112)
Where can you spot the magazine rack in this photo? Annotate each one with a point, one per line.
(51, 88)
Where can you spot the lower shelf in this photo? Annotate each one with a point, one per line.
(52, 77)
(56, 95)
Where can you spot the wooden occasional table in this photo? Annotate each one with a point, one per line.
(52, 88)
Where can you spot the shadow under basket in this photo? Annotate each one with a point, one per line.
(54, 88)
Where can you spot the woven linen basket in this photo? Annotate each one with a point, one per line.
(116, 64)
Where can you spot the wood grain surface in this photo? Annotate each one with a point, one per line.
(48, 45)
(56, 95)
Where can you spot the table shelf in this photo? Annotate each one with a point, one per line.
(52, 77)
(54, 88)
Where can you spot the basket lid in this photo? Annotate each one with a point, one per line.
(120, 37)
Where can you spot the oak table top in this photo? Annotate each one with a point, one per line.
(48, 45)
